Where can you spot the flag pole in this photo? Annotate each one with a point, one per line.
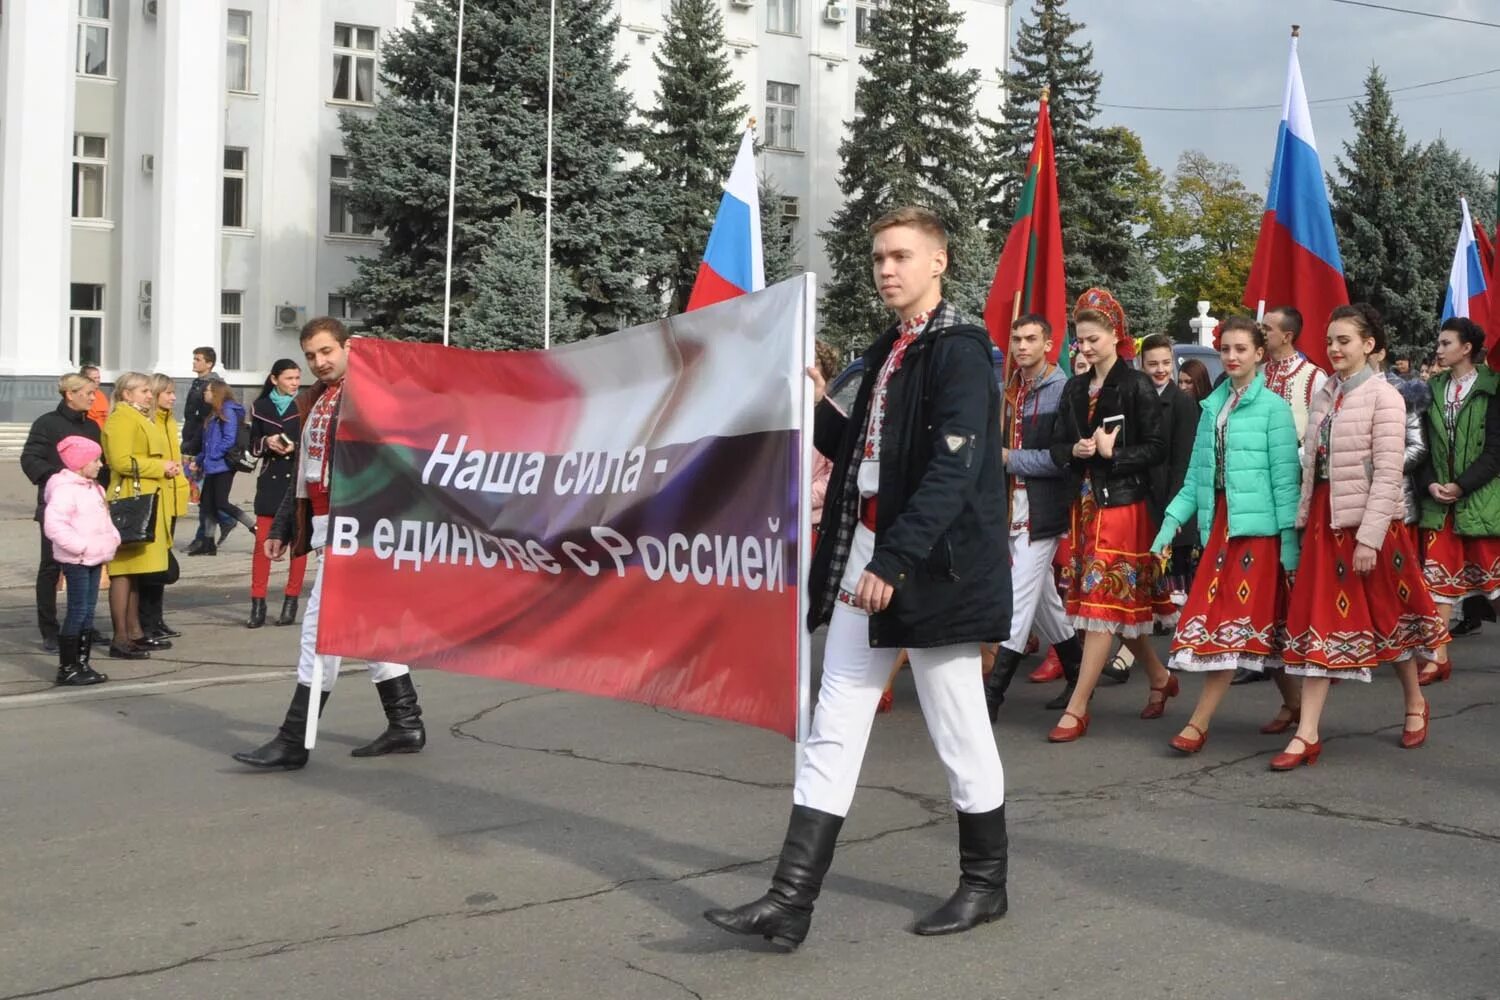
(804, 522)
(458, 70)
(547, 220)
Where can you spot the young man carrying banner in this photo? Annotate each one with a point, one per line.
(302, 523)
(912, 553)
(1040, 499)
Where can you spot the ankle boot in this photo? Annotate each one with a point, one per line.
(288, 611)
(998, 682)
(85, 657)
(783, 915)
(404, 732)
(285, 751)
(70, 672)
(1070, 655)
(257, 612)
(983, 852)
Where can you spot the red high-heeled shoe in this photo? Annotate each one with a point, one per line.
(1050, 670)
(1413, 738)
(1061, 735)
(887, 702)
(1188, 744)
(1443, 672)
(1156, 709)
(1287, 761)
(1279, 725)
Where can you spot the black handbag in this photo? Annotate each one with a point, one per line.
(134, 517)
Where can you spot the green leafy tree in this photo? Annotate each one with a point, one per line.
(606, 235)
(1098, 182)
(1210, 233)
(911, 142)
(695, 129)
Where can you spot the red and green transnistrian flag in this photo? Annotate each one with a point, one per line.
(1029, 277)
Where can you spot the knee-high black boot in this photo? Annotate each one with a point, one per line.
(983, 856)
(783, 915)
(404, 732)
(285, 751)
(998, 682)
(1070, 655)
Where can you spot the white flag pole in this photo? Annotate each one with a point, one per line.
(804, 522)
(458, 69)
(314, 701)
(547, 219)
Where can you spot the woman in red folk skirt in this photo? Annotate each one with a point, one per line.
(1109, 434)
(1461, 509)
(1359, 599)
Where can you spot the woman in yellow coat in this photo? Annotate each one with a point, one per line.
(174, 498)
(134, 446)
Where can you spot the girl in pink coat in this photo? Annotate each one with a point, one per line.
(83, 539)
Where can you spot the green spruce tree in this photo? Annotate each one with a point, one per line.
(1446, 175)
(779, 246)
(1096, 167)
(606, 234)
(508, 283)
(695, 129)
(911, 142)
(1376, 202)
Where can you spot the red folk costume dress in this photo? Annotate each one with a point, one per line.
(1341, 623)
(1233, 615)
(1459, 566)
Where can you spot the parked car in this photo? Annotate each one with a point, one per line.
(845, 385)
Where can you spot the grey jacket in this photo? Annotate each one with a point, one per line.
(1418, 398)
(1050, 490)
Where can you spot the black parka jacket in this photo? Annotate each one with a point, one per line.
(1124, 478)
(941, 529)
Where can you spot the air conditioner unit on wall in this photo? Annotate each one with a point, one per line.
(145, 292)
(148, 164)
(290, 317)
(143, 312)
(742, 4)
(148, 7)
(836, 13)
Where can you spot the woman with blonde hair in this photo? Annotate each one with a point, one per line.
(140, 463)
(175, 499)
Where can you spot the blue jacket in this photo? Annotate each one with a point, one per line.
(219, 435)
(1262, 471)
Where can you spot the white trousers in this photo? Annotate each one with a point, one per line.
(951, 690)
(378, 671)
(1035, 603)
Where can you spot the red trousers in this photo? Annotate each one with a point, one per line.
(260, 567)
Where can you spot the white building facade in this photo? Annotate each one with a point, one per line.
(172, 171)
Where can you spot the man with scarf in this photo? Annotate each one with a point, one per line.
(301, 522)
(912, 553)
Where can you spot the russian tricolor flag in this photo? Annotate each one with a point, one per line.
(1297, 260)
(1467, 292)
(734, 262)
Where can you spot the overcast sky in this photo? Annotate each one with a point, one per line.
(1213, 53)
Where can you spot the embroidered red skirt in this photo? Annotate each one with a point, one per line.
(1234, 612)
(1339, 621)
(1457, 565)
(1115, 583)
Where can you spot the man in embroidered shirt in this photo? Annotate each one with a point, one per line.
(302, 524)
(911, 553)
(1287, 373)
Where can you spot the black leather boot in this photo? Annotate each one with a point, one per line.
(288, 611)
(285, 751)
(983, 853)
(86, 655)
(404, 732)
(783, 915)
(70, 671)
(1070, 655)
(998, 682)
(257, 612)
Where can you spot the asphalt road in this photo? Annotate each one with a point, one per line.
(549, 845)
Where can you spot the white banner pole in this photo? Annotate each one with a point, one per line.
(458, 70)
(314, 701)
(804, 521)
(547, 221)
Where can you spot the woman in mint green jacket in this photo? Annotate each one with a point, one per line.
(1243, 483)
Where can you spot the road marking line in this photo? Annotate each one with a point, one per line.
(114, 689)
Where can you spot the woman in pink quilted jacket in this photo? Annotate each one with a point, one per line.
(76, 522)
(1359, 599)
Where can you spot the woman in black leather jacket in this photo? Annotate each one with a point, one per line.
(1109, 434)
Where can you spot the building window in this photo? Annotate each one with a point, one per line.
(342, 219)
(781, 15)
(865, 12)
(343, 308)
(90, 170)
(85, 324)
(231, 323)
(237, 51)
(781, 115)
(234, 188)
(791, 208)
(353, 64)
(93, 37)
